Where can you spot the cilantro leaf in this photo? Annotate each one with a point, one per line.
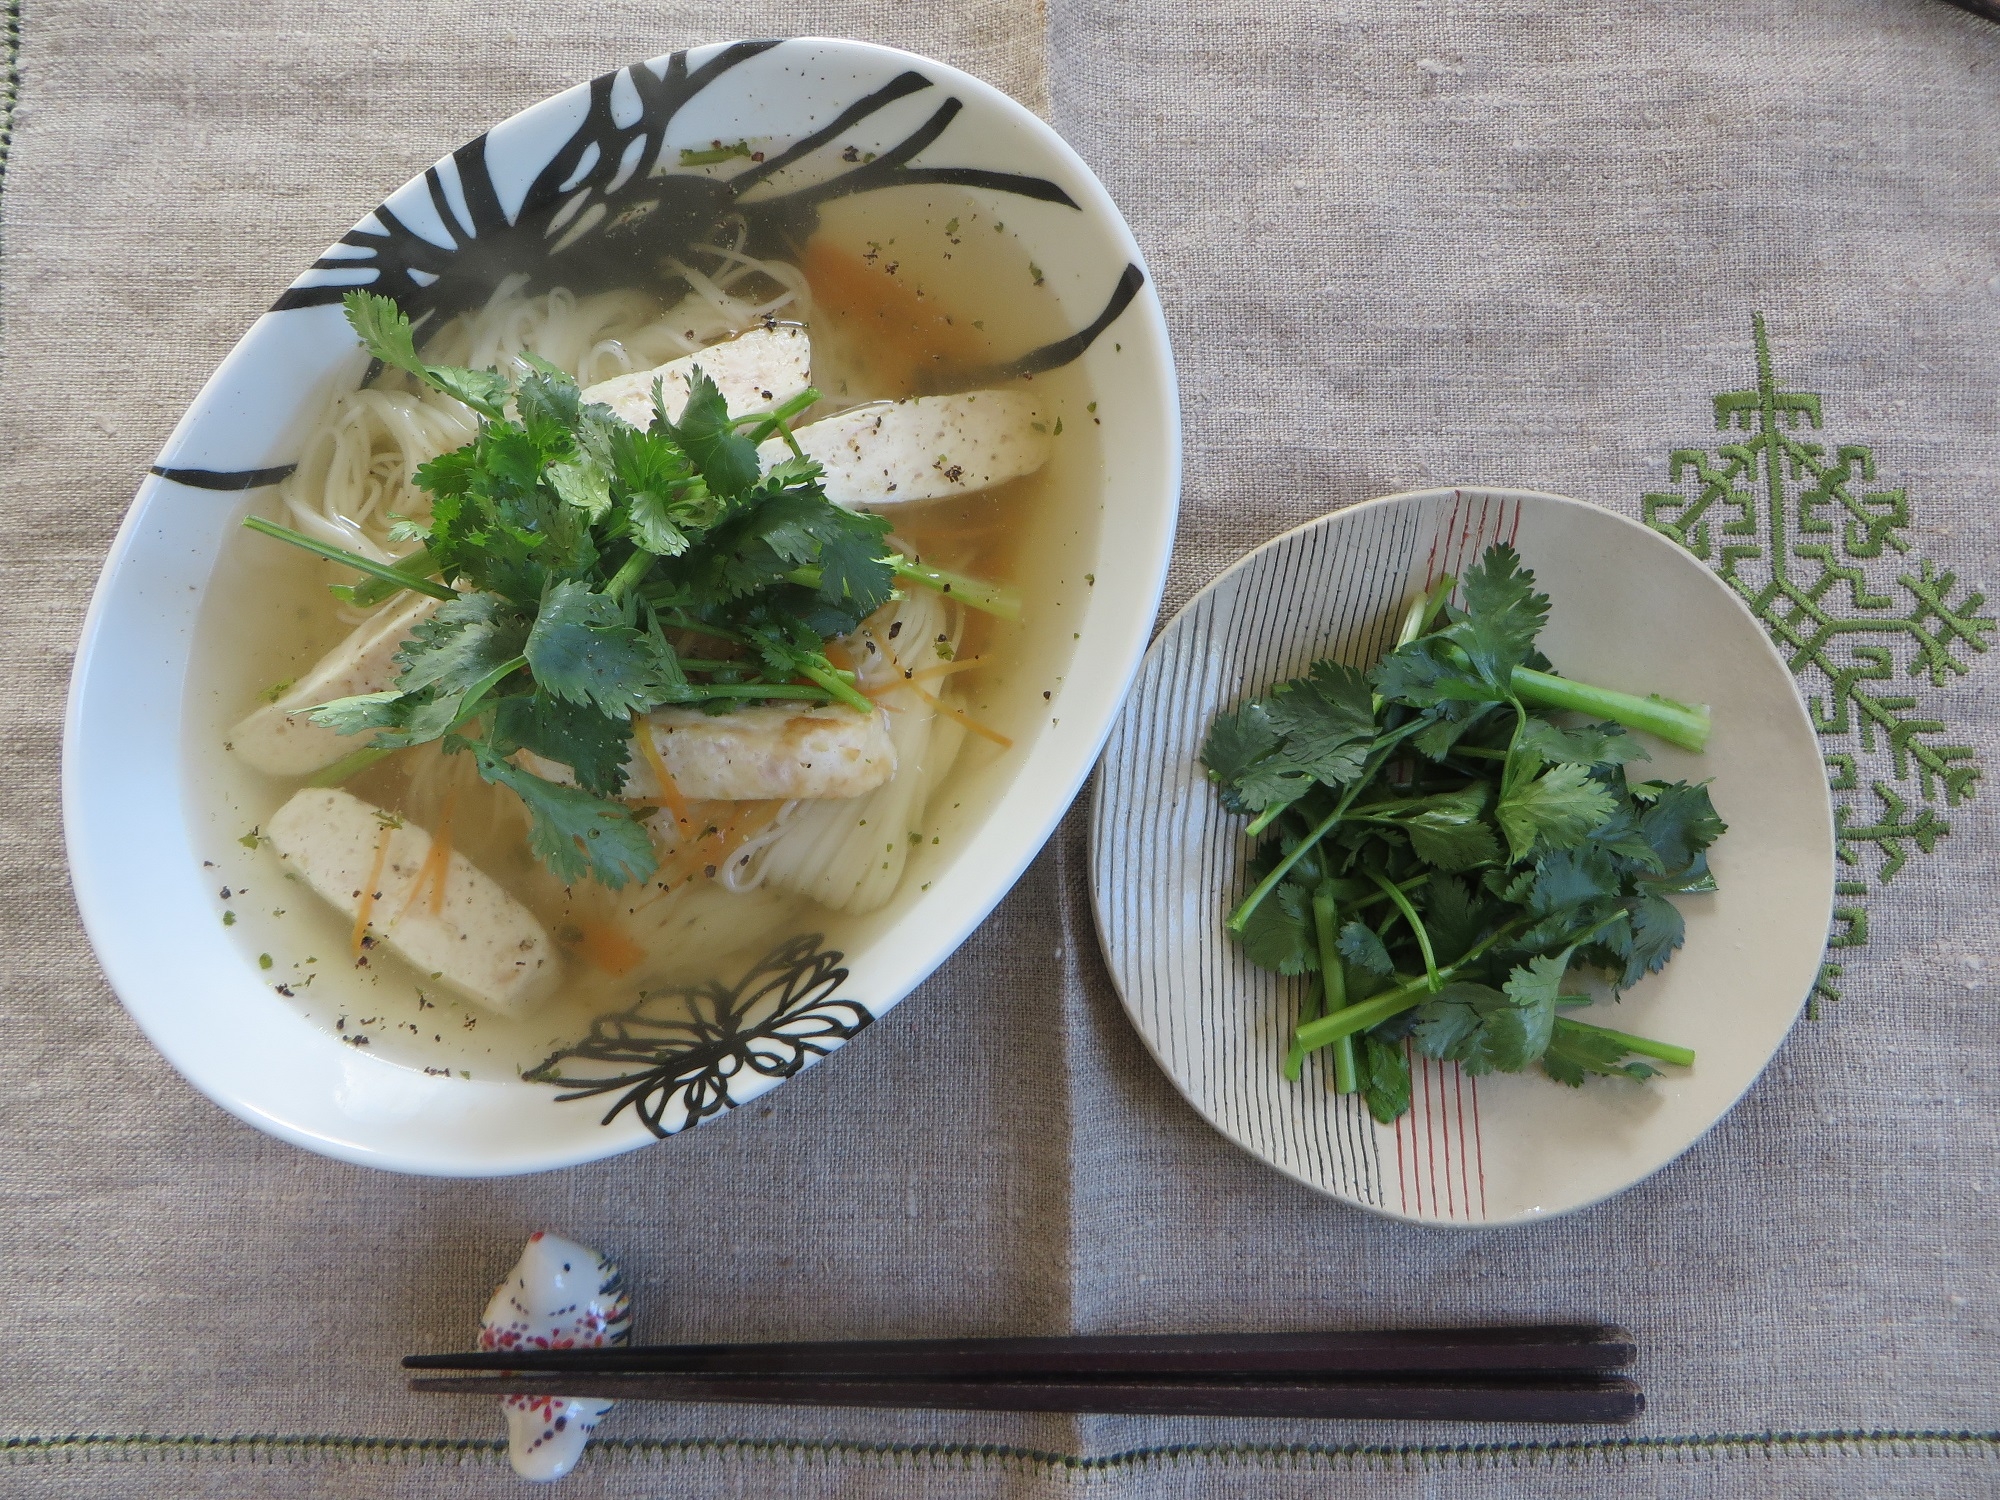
(1556, 810)
(1502, 616)
(401, 719)
(1361, 947)
(1385, 1078)
(1236, 742)
(1280, 932)
(1448, 831)
(1328, 721)
(1680, 823)
(359, 713)
(1569, 877)
(384, 330)
(1592, 745)
(582, 651)
(726, 459)
(1454, 917)
(1424, 674)
(575, 834)
(852, 568)
(583, 482)
(547, 395)
(575, 735)
(463, 640)
(1451, 720)
(1533, 987)
(1657, 930)
(1476, 1028)
(1573, 1054)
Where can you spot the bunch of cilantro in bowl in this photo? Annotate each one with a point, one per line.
(580, 559)
(1446, 838)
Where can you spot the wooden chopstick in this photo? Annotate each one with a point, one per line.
(1546, 1350)
(1572, 1399)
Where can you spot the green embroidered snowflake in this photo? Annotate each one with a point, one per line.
(1822, 558)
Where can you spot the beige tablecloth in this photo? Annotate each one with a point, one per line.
(1400, 244)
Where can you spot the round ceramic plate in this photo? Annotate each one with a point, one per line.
(1630, 610)
(588, 190)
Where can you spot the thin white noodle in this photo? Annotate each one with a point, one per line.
(848, 854)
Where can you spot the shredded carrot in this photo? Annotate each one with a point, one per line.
(435, 872)
(945, 669)
(670, 794)
(909, 681)
(603, 945)
(964, 718)
(368, 892)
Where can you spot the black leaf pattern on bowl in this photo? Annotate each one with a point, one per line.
(673, 1056)
(601, 213)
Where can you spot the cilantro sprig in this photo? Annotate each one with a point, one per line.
(1442, 843)
(580, 561)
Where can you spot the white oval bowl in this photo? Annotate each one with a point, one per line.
(1631, 610)
(134, 850)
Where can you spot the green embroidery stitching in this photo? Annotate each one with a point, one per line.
(1348, 1457)
(1790, 527)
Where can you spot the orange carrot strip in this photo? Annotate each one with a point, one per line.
(604, 945)
(964, 718)
(669, 793)
(943, 707)
(368, 892)
(435, 871)
(945, 669)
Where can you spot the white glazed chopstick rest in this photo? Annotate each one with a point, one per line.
(560, 1295)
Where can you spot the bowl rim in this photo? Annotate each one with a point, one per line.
(98, 906)
(1764, 645)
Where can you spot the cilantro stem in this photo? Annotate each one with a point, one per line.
(1395, 894)
(1334, 977)
(1666, 1052)
(630, 574)
(1358, 1018)
(699, 690)
(1264, 887)
(974, 593)
(1416, 883)
(1682, 724)
(354, 560)
(778, 419)
(349, 765)
(1374, 763)
(1370, 1013)
(1309, 1009)
(842, 691)
(419, 564)
(1266, 818)
(1424, 608)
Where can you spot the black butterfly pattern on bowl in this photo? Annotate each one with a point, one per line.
(676, 1053)
(598, 215)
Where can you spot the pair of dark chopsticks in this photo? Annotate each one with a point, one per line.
(1542, 1374)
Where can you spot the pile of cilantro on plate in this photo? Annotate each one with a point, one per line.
(1443, 840)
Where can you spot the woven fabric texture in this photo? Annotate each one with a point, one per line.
(1399, 245)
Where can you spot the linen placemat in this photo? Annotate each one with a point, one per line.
(1399, 245)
